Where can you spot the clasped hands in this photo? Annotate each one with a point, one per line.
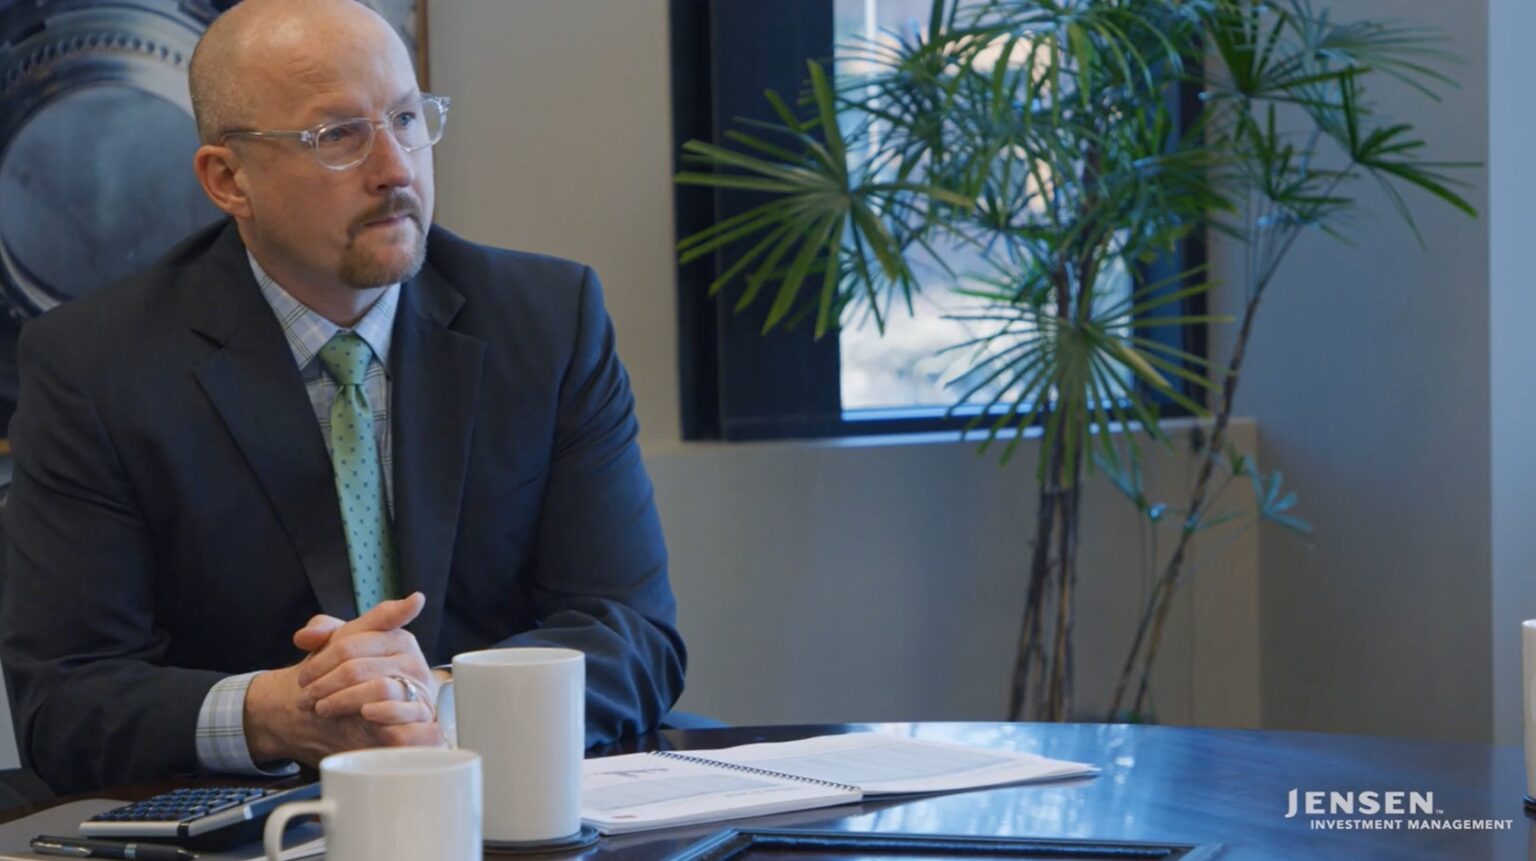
(344, 695)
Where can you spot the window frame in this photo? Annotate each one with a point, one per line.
(736, 383)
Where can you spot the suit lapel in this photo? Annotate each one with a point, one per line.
(258, 392)
(435, 374)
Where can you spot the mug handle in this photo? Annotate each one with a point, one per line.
(447, 715)
(277, 822)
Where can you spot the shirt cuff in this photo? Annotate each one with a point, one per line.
(221, 744)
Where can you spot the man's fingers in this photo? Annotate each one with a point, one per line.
(367, 668)
(351, 700)
(316, 632)
(341, 650)
(396, 712)
(388, 615)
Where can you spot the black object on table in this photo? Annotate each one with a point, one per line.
(85, 847)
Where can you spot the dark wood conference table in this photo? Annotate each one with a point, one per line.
(1158, 784)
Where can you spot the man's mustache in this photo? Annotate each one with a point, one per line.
(400, 204)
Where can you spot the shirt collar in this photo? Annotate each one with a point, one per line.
(307, 331)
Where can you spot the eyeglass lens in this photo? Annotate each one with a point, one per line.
(345, 143)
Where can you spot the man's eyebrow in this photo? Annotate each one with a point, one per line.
(348, 110)
(331, 113)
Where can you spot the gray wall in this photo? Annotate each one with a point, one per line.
(825, 582)
(1512, 349)
(1369, 379)
(560, 138)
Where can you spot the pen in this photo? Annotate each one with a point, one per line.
(83, 847)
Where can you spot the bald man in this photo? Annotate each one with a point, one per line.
(262, 488)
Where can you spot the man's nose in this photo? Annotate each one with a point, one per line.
(389, 164)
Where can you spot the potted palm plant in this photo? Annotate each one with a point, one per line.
(1036, 141)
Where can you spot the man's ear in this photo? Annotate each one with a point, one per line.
(218, 169)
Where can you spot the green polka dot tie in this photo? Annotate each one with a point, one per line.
(359, 473)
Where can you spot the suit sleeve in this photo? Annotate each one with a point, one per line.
(92, 701)
(601, 563)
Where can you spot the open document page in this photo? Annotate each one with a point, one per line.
(638, 791)
(892, 765)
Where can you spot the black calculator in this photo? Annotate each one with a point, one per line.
(200, 818)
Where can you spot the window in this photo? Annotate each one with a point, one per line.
(738, 384)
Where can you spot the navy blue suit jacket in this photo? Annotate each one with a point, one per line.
(173, 520)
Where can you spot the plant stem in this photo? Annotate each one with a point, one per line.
(1156, 614)
(1157, 609)
(1029, 652)
(1129, 666)
(1061, 680)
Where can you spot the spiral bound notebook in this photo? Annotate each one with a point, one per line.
(640, 791)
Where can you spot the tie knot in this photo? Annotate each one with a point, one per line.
(346, 356)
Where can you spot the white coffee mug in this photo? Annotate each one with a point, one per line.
(524, 711)
(393, 804)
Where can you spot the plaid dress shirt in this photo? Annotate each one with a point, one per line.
(221, 744)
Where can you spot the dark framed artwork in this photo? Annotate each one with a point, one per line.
(744, 844)
(96, 144)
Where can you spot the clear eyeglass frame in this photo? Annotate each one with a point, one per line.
(431, 110)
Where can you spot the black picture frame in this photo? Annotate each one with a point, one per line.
(739, 843)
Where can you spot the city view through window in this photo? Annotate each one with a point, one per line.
(907, 369)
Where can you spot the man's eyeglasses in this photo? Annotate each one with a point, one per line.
(346, 143)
